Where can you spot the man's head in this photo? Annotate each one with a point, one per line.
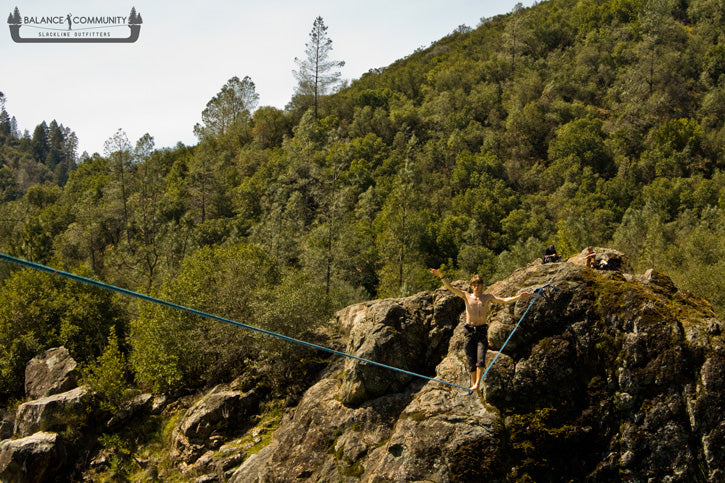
(476, 282)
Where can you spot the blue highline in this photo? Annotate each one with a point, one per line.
(537, 292)
(498, 353)
(105, 286)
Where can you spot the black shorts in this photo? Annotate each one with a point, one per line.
(476, 345)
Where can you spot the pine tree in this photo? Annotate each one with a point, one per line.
(316, 73)
(14, 131)
(55, 155)
(39, 143)
(5, 125)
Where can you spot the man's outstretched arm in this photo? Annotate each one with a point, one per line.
(447, 284)
(505, 300)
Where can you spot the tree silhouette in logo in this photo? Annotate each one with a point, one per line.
(14, 18)
(134, 18)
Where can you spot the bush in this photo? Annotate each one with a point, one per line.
(39, 311)
(107, 375)
(173, 349)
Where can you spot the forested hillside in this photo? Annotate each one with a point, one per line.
(571, 122)
(49, 155)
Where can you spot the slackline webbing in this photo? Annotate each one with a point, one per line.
(147, 298)
(498, 352)
(536, 295)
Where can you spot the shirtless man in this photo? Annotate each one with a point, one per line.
(476, 327)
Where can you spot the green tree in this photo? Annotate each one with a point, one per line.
(45, 218)
(316, 72)
(696, 259)
(357, 259)
(5, 126)
(56, 154)
(242, 282)
(582, 141)
(117, 149)
(172, 348)
(270, 126)
(642, 236)
(144, 251)
(107, 375)
(97, 224)
(651, 84)
(9, 189)
(39, 142)
(402, 224)
(675, 149)
(232, 105)
(205, 182)
(514, 34)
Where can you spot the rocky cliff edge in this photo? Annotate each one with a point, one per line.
(610, 376)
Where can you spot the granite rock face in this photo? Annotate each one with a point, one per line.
(32, 459)
(53, 413)
(206, 423)
(52, 372)
(411, 334)
(609, 376)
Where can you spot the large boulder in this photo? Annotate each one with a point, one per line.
(32, 459)
(53, 413)
(411, 334)
(206, 425)
(52, 372)
(608, 377)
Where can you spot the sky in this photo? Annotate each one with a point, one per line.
(188, 50)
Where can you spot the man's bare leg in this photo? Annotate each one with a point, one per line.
(475, 378)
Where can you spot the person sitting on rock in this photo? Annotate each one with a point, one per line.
(477, 303)
(550, 255)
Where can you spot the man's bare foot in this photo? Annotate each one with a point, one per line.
(474, 387)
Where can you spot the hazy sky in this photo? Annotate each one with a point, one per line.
(188, 50)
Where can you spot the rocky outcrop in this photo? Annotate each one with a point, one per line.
(603, 259)
(410, 333)
(211, 421)
(52, 372)
(37, 454)
(610, 376)
(53, 413)
(32, 459)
